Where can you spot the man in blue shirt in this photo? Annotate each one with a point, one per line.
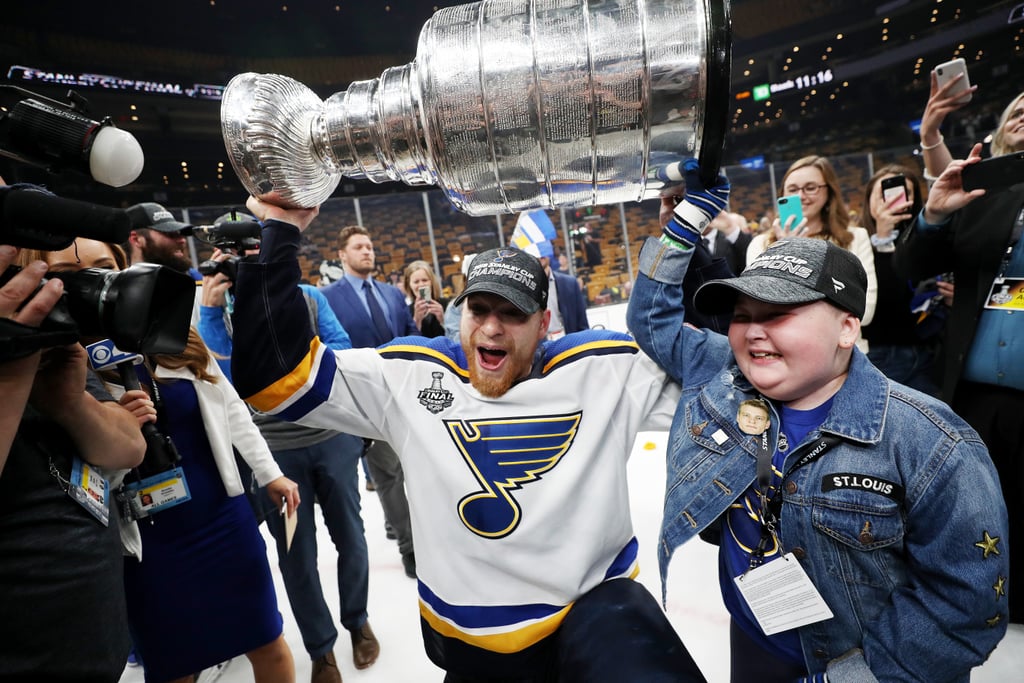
(323, 463)
(374, 313)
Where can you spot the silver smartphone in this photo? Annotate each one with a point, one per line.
(424, 293)
(947, 71)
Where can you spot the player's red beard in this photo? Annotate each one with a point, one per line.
(490, 384)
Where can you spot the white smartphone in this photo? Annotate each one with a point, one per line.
(947, 71)
(424, 293)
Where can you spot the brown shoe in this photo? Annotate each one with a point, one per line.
(365, 647)
(325, 670)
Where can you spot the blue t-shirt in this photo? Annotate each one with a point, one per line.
(741, 533)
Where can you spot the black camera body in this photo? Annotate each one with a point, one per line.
(228, 236)
(143, 309)
(228, 267)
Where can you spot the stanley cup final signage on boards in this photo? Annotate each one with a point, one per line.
(509, 105)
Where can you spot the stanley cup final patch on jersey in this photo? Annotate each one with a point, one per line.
(861, 482)
(435, 398)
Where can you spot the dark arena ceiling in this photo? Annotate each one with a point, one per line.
(873, 59)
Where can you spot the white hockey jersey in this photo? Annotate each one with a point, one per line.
(519, 504)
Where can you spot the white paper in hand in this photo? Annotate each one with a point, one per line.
(291, 521)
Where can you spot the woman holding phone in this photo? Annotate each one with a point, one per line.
(977, 235)
(427, 307)
(825, 216)
(898, 346)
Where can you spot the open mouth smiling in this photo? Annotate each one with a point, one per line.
(490, 358)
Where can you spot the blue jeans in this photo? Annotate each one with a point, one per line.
(326, 473)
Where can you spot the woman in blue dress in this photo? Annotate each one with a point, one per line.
(197, 581)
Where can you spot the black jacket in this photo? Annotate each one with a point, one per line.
(971, 246)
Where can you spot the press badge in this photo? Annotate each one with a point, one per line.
(156, 493)
(1007, 294)
(781, 596)
(90, 489)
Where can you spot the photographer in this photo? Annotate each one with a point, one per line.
(61, 583)
(208, 547)
(427, 305)
(323, 462)
(16, 376)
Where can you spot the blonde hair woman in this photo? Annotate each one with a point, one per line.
(427, 311)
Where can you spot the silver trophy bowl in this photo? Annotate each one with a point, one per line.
(509, 105)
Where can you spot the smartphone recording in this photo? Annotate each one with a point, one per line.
(995, 173)
(894, 190)
(947, 71)
(790, 207)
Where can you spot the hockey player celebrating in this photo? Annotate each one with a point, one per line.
(514, 451)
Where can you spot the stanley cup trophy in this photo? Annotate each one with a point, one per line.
(509, 105)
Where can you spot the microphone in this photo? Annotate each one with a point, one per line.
(235, 231)
(55, 137)
(161, 453)
(36, 219)
(103, 355)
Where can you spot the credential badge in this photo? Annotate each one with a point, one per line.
(436, 398)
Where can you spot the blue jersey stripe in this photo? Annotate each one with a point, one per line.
(473, 616)
(319, 393)
(624, 561)
(595, 348)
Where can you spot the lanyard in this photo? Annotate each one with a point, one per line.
(771, 502)
(1018, 228)
(161, 454)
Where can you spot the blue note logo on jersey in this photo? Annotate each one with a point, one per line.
(504, 454)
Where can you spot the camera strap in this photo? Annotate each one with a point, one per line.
(18, 341)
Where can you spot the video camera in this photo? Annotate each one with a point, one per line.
(53, 135)
(232, 232)
(144, 309)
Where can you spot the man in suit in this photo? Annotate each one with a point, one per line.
(724, 238)
(566, 302)
(374, 313)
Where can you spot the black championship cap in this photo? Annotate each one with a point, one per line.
(152, 215)
(511, 274)
(797, 270)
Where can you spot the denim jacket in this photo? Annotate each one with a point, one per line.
(901, 526)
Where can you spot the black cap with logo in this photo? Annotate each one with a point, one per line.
(152, 215)
(797, 270)
(511, 274)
